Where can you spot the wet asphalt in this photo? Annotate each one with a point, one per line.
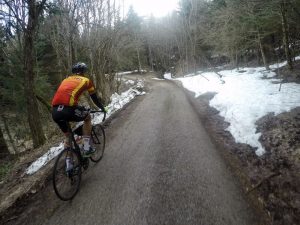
(161, 168)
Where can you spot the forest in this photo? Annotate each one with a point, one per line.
(41, 39)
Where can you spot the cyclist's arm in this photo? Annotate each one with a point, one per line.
(97, 101)
(93, 95)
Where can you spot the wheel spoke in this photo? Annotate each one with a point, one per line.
(66, 181)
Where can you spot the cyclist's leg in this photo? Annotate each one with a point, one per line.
(87, 129)
(81, 114)
(60, 116)
(87, 126)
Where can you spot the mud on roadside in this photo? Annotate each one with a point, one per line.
(271, 181)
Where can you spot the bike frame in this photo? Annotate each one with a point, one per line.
(73, 142)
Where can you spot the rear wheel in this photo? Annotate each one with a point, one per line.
(98, 138)
(67, 175)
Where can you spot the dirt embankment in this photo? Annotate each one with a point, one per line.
(281, 139)
(273, 180)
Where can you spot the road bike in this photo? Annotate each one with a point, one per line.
(70, 162)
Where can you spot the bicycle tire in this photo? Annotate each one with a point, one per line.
(98, 138)
(66, 183)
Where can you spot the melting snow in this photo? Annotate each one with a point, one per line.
(245, 97)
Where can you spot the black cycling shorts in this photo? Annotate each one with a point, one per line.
(62, 114)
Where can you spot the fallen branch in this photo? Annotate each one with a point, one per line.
(214, 69)
(204, 76)
(262, 181)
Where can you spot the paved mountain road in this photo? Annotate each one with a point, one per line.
(160, 167)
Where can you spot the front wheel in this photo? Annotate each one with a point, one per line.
(98, 138)
(66, 175)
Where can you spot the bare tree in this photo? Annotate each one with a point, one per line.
(285, 32)
(3, 146)
(27, 14)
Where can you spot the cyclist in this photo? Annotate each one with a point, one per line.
(65, 106)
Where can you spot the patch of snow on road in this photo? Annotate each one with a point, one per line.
(245, 97)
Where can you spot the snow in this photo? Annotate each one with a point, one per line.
(157, 78)
(168, 76)
(124, 73)
(131, 72)
(245, 97)
(43, 160)
(130, 82)
(275, 66)
(117, 102)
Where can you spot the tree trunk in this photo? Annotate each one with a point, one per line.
(138, 53)
(150, 57)
(232, 58)
(139, 61)
(237, 62)
(262, 50)
(44, 102)
(286, 34)
(109, 21)
(33, 114)
(11, 144)
(3, 146)
(257, 53)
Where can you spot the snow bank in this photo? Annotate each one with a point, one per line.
(168, 76)
(124, 73)
(130, 82)
(43, 160)
(245, 97)
(155, 78)
(131, 72)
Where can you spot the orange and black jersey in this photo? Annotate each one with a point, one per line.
(71, 89)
